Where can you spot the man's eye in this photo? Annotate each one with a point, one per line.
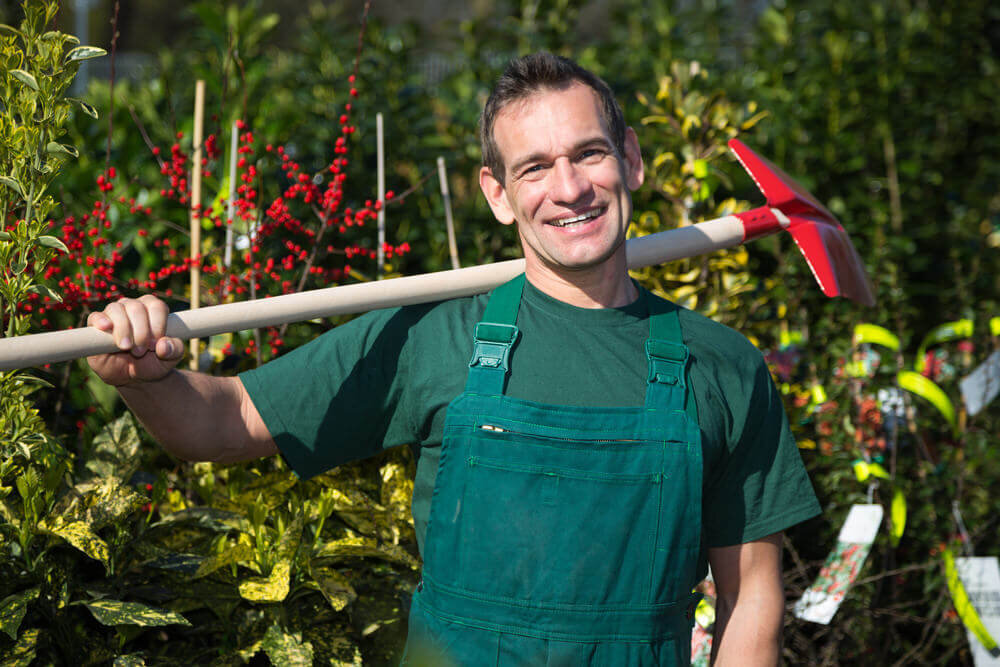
(533, 169)
(591, 154)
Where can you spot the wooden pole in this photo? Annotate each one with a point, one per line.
(199, 111)
(231, 207)
(381, 193)
(446, 195)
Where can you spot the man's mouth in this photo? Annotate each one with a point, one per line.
(578, 219)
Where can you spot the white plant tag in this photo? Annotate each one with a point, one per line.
(981, 578)
(981, 385)
(820, 602)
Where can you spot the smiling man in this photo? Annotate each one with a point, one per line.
(585, 448)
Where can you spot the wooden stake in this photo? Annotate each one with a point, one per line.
(446, 195)
(381, 193)
(231, 207)
(199, 111)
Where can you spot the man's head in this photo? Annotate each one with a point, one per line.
(531, 74)
(564, 174)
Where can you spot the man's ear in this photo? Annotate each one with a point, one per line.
(634, 173)
(496, 195)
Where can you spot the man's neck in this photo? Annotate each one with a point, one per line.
(606, 286)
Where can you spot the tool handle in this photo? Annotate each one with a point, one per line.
(52, 347)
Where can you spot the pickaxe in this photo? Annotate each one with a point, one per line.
(819, 236)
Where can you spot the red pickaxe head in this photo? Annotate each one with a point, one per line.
(821, 239)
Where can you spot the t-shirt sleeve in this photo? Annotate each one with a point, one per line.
(333, 399)
(761, 485)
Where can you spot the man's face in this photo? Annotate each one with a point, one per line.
(565, 183)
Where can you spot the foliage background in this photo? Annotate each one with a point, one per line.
(885, 110)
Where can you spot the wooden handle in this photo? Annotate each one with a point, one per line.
(44, 348)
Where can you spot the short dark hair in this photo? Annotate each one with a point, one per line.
(530, 74)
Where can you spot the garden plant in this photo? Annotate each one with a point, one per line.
(111, 551)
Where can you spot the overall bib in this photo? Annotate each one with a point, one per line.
(562, 535)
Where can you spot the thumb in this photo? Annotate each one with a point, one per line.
(169, 349)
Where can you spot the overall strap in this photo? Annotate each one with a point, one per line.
(667, 356)
(495, 337)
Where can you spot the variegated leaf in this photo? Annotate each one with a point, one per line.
(212, 518)
(288, 544)
(270, 489)
(12, 610)
(131, 660)
(79, 534)
(232, 555)
(117, 612)
(116, 449)
(108, 502)
(334, 586)
(285, 649)
(25, 77)
(22, 654)
(362, 547)
(84, 53)
(397, 485)
(174, 562)
(273, 588)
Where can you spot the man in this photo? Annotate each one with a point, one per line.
(598, 448)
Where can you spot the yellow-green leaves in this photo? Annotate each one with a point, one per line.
(115, 449)
(12, 610)
(334, 586)
(273, 588)
(80, 535)
(117, 612)
(85, 53)
(25, 77)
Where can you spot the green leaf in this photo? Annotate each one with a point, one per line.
(334, 586)
(23, 653)
(273, 588)
(13, 609)
(366, 547)
(46, 291)
(87, 107)
(25, 78)
(52, 242)
(80, 535)
(130, 660)
(10, 30)
(232, 555)
(116, 449)
(85, 53)
(12, 184)
(19, 266)
(4, 236)
(117, 612)
(286, 649)
(56, 148)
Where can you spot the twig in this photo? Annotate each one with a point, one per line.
(111, 95)
(145, 137)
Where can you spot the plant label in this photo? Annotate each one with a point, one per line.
(981, 578)
(981, 385)
(820, 602)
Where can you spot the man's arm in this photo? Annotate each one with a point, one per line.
(750, 603)
(195, 417)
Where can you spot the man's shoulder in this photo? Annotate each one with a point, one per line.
(717, 347)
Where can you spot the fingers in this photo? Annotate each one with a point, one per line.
(135, 324)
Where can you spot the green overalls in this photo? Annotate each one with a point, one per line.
(562, 535)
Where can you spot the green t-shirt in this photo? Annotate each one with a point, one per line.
(387, 377)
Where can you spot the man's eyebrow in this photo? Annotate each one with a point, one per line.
(590, 142)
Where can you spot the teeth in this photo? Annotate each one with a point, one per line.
(565, 222)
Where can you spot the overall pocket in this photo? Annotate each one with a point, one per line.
(557, 521)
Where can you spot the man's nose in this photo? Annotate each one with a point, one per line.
(569, 182)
